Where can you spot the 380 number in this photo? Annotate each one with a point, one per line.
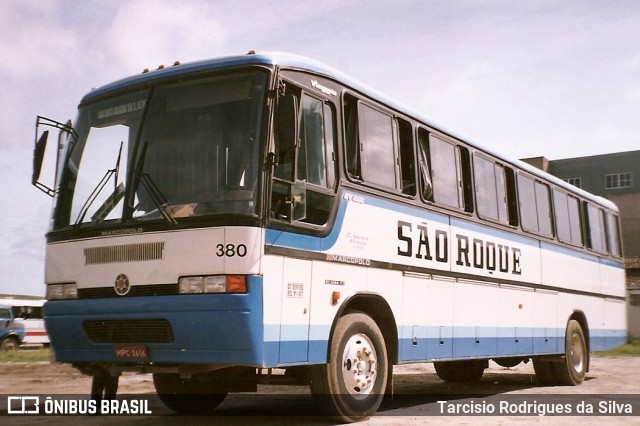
(231, 250)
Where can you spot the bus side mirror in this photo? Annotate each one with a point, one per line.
(40, 155)
(287, 123)
(38, 158)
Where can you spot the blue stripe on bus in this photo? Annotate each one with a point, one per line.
(458, 343)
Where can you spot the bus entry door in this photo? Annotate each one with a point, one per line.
(294, 323)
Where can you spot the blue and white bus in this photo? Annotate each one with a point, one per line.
(218, 219)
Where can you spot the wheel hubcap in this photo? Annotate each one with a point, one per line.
(359, 366)
(576, 354)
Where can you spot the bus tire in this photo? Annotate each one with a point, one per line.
(352, 385)
(460, 371)
(199, 394)
(10, 344)
(573, 368)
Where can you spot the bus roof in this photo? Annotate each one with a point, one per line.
(286, 60)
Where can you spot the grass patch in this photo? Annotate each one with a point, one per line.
(631, 348)
(26, 355)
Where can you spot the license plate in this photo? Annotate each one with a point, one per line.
(131, 351)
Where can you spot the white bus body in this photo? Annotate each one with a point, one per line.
(318, 227)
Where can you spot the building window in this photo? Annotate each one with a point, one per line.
(618, 180)
(634, 299)
(577, 182)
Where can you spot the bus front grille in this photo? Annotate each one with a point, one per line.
(139, 252)
(129, 331)
(136, 291)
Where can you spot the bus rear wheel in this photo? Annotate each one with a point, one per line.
(460, 371)
(351, 386)
(199, 394)
(573, 368)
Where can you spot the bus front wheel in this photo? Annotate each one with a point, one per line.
(351, 386)
(199, 394)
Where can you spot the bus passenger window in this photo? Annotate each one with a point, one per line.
(407, 163)
(596, 237)
(484, 172)
(567, 214)
(352, 143)
(613, 235)
(378, 154)
(446, 176)
(535, 207)
(426, 185)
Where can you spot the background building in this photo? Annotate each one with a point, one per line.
(615, 177)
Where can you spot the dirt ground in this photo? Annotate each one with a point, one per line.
(418, 385)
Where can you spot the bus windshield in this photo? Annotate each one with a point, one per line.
(177, 150)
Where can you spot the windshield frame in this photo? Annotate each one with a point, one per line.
(63, 221)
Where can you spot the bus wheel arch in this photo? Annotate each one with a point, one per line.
(353, 382)
(575, 362)
(581, 318)
(379, 310)
(571, 366)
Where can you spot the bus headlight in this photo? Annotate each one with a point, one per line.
(62, 291)
(213, 284)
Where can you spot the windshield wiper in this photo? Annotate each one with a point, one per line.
(149, 185)
(110, 202)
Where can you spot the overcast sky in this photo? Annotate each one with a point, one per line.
(525, 78)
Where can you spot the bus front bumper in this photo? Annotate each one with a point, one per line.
(206, 329)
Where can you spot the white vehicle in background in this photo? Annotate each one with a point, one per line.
(27, 310)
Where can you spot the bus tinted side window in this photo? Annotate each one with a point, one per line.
(535, 207)
(309, 168)
(407, 162)
(596, 236)
(378, 152)
(613, 235)
(493, 188)
(352, 140)
(567, 214)
(426, 184)
(446, 167)
(379, 147)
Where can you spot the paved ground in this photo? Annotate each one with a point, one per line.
(418, 383)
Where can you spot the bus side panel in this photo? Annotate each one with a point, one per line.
(414, 319)
(547, 336)
(492, 318)
(272, 268)
(571, 269)
(331, 281)
(615, 326)
(476, 314)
